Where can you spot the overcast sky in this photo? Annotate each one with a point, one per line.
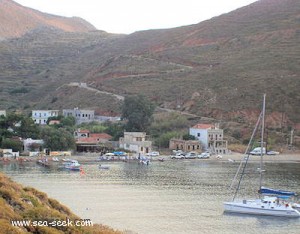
(127, 16)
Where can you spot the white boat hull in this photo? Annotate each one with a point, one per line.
(257, 207)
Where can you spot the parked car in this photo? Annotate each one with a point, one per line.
(153, 153)
(204, 155)
(191, 155)
(271, 152)
(177, 156)
(257, 151)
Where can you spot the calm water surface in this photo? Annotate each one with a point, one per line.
(177, 196)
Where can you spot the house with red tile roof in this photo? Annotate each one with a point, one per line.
(92, 142)
(211, 137)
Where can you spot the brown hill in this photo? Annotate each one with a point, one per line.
(217, 68)
(17, 20)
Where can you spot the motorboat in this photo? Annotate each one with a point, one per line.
(103, 167)
(73, 165)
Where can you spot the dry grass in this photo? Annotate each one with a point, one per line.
(18, 203)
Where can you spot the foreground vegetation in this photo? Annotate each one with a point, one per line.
(26, 203)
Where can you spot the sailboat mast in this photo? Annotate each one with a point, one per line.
(262, 141)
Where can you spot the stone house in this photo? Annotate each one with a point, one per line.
(185, 145)
(81, 116)
(135, 142)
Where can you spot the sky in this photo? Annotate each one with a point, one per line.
(128, 16)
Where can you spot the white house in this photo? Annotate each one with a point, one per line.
(8, 153)
(3, 112)
(41, 116)
(211, 137)
(32, 145)
(136, 142)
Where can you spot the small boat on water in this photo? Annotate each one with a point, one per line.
(144, 162)
(103, 167)
(43, 162)
(73, 165)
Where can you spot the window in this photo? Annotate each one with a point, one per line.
(198, 134)
(138, 139)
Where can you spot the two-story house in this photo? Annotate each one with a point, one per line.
(81, 116)
(41, 116)
(211, 137)
(135, 142)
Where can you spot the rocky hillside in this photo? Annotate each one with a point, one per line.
(17, 20)
(218, 68)
(25, 203)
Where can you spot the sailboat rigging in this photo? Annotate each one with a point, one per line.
(265, 205)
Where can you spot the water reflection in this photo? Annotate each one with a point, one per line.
(178, 196)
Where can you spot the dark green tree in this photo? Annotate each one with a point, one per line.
(15, 145)
(57, 139)
(188, 137)
(68, 121)
(28, 129)
(138, 111)
(116, 130)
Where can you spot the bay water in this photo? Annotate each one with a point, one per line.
(174, 196)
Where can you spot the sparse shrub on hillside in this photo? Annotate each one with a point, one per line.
(164, 139)
(19, 90)
(167, 122)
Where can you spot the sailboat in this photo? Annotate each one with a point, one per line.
(264, 205)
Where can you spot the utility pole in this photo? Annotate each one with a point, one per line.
(292, 137)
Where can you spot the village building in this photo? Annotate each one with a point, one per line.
(135, 142)
(3, 112)
(81, 116)
(185, 145)
(92, 142)
(41, 116)
(32, 145)
(54, 122)
(8, 153)
(211, 137)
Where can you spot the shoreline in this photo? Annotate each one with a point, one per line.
(232, 157)
(281, 158)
